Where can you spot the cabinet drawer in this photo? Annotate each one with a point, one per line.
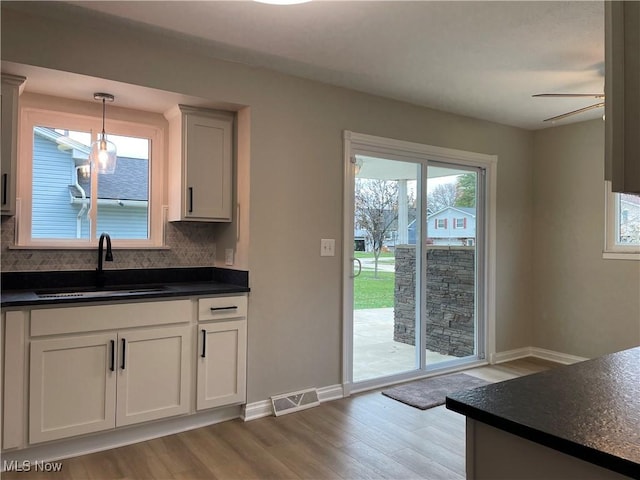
(222, 307)
(52, 321)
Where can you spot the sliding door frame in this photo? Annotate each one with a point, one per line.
(358, 143)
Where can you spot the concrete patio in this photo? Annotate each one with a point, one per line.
(375, 354)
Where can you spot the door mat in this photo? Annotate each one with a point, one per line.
(431, 392)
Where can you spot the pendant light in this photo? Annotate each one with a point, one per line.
(103, 152)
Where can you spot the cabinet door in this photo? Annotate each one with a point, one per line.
(8, 157)
(72, 386)
(222, 363)
(208, 164)
(153, 374)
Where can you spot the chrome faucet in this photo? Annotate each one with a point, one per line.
(108, 257)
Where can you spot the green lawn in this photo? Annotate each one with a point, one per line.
(383, 256)
(370, 292)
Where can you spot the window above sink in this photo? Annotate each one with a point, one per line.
(62, 201)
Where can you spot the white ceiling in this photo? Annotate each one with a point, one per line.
(480, 59)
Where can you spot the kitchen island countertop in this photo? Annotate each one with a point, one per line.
(589, 410)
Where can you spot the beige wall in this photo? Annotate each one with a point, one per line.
(583, 305)
(296, 171)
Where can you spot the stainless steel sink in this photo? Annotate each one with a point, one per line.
(107, 292)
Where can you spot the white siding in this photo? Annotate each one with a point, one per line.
(449, 234)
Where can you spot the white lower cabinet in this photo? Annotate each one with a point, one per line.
(222, 363)
(71, 387)
(153, 376)
(76, 370)
(87, 383)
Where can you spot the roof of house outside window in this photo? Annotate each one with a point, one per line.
(130, 181)
(471, 211)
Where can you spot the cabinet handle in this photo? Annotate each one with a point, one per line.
(233, 307)
(204, 344)
(124, 353)
(190, 199)
(5, 182)
(112, 364)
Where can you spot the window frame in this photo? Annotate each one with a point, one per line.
(611, 250)
(39, 110)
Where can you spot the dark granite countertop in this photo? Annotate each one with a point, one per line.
(33, 289)
(590, 410)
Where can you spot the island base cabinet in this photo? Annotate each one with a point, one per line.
(86, 384)
(494, 454)
(221, 363)
(72, 389)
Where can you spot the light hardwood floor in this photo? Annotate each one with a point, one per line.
(365, 436)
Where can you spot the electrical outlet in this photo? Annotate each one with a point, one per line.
(228, 256)
(327, 247)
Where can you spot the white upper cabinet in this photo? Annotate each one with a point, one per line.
(200, 164)
(11, 85)
(622, 93)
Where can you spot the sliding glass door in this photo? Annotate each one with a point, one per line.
(414, 279)
(453, 243)
(384, 315)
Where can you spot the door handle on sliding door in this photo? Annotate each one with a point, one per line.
(359, 267)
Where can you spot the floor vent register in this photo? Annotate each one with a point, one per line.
(295, 401)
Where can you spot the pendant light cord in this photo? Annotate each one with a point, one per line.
(103, 115)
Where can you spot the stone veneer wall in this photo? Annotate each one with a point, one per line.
(450, 298)
(191, 244)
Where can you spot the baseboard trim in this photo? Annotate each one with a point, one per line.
(544, 354)
(557, 357)
(255, 410)
(507, 356)
(99, 442)
(264, 408)
(332, 392)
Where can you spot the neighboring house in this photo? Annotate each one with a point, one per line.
(449, 226)
(62, 190)
(362, 239)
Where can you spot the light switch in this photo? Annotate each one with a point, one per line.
(327, 247)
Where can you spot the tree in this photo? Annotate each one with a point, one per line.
(376, 210)
(466, 190)
(442, 196)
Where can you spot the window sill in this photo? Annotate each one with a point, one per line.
(86, 247)
(621, 255)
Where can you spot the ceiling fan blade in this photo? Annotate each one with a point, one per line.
(575, 112)
(567, 95)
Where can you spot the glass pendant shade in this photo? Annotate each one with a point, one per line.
(103, 154)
